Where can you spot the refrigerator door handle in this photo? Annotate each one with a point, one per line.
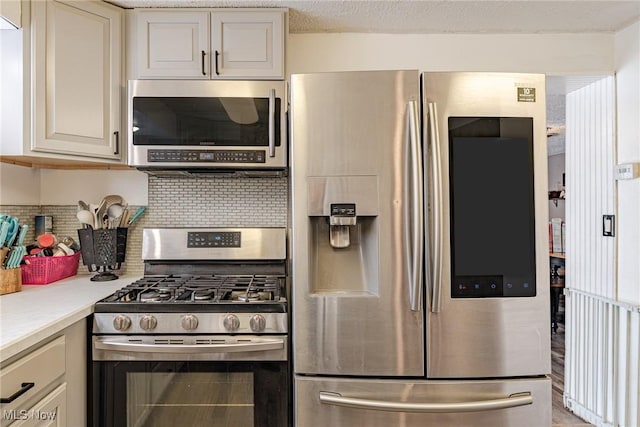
(417, 219)
(436, 192)
(511, 401)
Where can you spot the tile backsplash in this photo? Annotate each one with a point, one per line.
(217, 202)
(181, 202)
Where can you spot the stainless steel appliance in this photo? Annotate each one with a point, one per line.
(183, 127)
(420, 269)
(201, 339)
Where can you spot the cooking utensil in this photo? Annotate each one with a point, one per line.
(4, 230)
(112, 199)
(3, 256)
(22, 234)
(13, 230)
(82, 205)
(86, 218)
(100, 212)
(114, 212)
(124, 219)
(136, 215)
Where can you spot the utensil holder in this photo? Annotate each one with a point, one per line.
(103, 247)
(10, 281)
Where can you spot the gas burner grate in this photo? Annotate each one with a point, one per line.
(213, 288)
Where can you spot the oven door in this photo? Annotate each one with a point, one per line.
(233, 389)
(207, 124)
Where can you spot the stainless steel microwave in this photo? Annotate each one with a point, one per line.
(197, 126)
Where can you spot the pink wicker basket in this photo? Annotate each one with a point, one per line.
(42, 270)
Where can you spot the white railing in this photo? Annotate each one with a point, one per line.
(602, 377)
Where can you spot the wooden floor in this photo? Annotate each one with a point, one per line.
(561, 416)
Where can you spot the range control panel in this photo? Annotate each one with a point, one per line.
(207, 156)
(213, 239)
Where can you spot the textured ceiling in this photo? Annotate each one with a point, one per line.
(435, 16)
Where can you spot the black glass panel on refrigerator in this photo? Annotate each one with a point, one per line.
(215, 122)
(492, 207)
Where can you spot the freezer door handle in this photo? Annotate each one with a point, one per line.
(511, 401)
(436, 194)
(417, 220)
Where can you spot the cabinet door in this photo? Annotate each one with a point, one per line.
(248, 45)
(173, 44)
(51, 411)
(77, 77)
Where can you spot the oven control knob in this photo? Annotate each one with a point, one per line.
(189, 322)
(257, 323)
(121, 322)
(231, 322)
(148, 322)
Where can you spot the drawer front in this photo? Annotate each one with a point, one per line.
(49, 412)
(42, 368)
(340, 402)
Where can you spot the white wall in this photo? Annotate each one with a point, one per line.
(627, 59)
(19, 185)
(66, 187)
(586, 54)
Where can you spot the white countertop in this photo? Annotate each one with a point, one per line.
(39, 311)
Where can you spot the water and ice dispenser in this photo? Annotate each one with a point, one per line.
(344, 234)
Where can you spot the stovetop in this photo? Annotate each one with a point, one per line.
(201, 292)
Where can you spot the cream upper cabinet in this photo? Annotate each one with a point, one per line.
(77, 78)
(248, 45)
(210, 44)
(173, 44)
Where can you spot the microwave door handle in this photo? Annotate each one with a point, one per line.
(511, 401)
(436, 194)
(272, 123)
(417, 219)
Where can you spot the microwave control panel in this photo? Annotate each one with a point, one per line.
(206, 156)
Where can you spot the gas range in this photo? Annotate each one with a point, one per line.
(201, 338)
(203, 281)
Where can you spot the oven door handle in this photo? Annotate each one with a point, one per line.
(263, 345)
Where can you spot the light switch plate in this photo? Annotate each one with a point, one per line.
(608, 225)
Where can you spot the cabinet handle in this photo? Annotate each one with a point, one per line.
(17, 394)
(203, 55)
(117, 150)
(216, 63)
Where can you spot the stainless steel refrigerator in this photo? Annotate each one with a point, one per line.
(419, 248)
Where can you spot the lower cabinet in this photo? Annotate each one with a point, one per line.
(50, 411)
(46, 384)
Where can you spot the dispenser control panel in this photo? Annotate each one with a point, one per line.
(343, 209)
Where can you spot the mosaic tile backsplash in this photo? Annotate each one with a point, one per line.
(181, 202)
